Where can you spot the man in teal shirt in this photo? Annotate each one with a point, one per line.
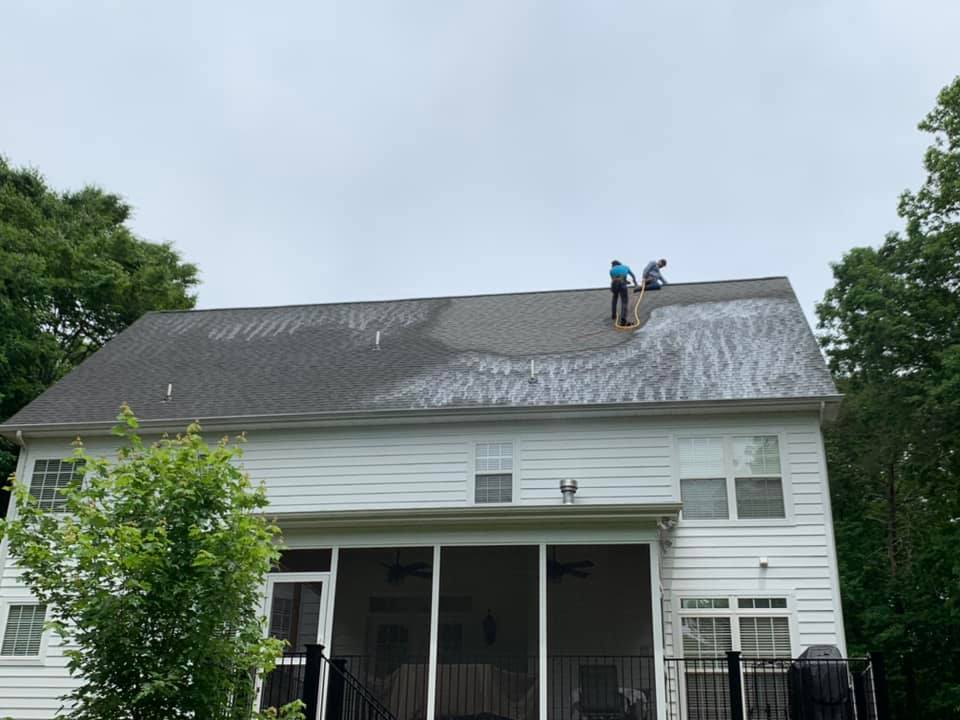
(618, 287)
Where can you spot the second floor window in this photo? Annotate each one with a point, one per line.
(731, 477)
(493, 480)
(48, 479)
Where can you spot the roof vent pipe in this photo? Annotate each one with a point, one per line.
(169, 396)
(533, 372)
(377, 340)
(568, 488)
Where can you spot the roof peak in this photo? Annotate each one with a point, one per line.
(451, 297)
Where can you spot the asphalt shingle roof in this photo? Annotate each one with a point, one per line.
(743, 339)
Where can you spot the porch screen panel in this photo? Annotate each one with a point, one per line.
(599, 632)
(381, 624)
(487, 649)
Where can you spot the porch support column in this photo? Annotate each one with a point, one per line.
(542, 633)
(434, 632)
(656, 607)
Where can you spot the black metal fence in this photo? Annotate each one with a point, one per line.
(589, 686)
(738, 688)
(398, 681)
(581, 687)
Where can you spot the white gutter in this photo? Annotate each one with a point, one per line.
(463, 517)
(816, 404)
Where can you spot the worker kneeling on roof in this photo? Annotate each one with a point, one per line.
(652, 279)
(618, 286)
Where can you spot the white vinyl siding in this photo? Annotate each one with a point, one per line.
(48, 479)
(725, 554)
(23, 630)
(493, 473)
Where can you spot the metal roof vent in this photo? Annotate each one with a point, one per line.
(568, 488)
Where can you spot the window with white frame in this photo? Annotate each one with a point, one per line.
(49, 478)
(756, 626)
(493, 479)
(759, 483)
(23, 630)
(703, 479)
(731, 477)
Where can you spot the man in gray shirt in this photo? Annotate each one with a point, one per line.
(652, 279)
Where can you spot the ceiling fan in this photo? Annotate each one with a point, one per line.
(397, 572)
(556, 569)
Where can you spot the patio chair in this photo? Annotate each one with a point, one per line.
(600, 697)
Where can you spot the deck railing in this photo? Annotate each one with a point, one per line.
(739, 688)
(580, 687)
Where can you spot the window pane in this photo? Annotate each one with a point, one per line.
(24, 630)
(494, 488)
(706, 637)
(295, 613)
(704, 499)
(303, 561)
(760, 498)
(704, 603)
(49, 477)
(759, 455)
(778, 602)
(494, 457)
(765, 636)
(701, 457)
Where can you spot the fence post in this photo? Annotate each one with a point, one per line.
(736, 685)
(880, 685)
(311, 681)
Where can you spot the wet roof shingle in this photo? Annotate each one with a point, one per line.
(744, 339)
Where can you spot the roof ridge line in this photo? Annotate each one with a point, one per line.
(448, 297)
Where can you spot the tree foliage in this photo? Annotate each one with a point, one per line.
(153, 574)
(891, 329)
(72, 275)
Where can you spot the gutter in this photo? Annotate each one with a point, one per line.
(822, 404)
(464, 517)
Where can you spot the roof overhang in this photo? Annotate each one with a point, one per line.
(826, 406)
(499, 516)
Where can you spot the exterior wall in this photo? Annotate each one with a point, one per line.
(716, 558)
(622, 461)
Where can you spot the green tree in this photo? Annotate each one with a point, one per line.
(153, 572)
(72, 275)
(891, 329)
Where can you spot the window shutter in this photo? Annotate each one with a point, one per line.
(706, 636)
(765, 637)
(704, 499)
(760, 498)
(24, 630)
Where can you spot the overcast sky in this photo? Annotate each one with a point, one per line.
(326, 151)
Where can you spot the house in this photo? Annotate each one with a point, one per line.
(414, 452)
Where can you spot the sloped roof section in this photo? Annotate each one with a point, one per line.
(735, 340)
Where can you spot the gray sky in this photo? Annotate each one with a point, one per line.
(325, 151)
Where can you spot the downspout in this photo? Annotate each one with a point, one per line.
(20, 441)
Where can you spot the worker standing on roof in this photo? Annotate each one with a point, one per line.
(652, 279)
(618, 286)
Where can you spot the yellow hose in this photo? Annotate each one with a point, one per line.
(636, 310)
